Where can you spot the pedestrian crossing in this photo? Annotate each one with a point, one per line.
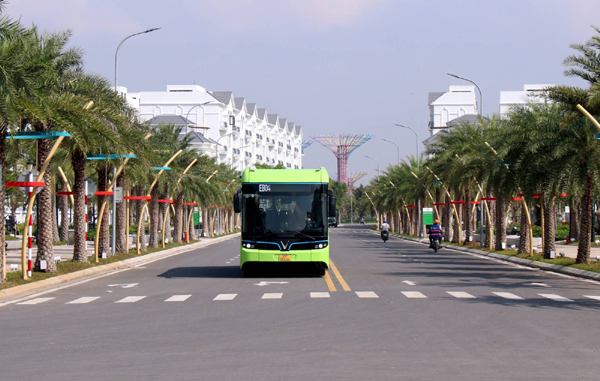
(312, 295)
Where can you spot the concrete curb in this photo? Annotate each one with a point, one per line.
(521, 261)
(21, 290)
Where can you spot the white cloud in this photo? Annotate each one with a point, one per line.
(82, 16)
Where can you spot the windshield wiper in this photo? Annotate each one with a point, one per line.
(299, 232)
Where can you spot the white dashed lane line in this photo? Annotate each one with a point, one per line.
(130, 299)
(84, 300)
(35, 301)
(225, 297)
(178, 298)
(414, 295)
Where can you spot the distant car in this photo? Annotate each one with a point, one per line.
(333, 222)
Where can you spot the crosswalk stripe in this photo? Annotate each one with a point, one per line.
(507, 295)
(319, 295)
(130, 299)
(596, 297)
(83, 300)
(460, 294)
(366, 294)
(413, 294)
(272, 295)
(35, 301)
(225, 297)
(178, 298)
(555, 297)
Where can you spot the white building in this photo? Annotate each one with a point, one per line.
(530, 94)
(446, 106)
(238, 133)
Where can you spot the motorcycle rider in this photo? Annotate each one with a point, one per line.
(435, 232)
(385, 228)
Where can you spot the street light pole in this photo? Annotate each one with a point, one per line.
(189, 111)
(418, 160)
(217, 147)
(372, 158)
(481, 114)
(114, 203)
(397, 148)
(121, 43)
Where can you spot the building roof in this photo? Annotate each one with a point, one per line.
(468, 118)
(290, 126)
(250, 107)
(239, 102)
(298, 130)
(197, 138)
(272, 118)
(261, 113)
(222, 96)
(176, 120)
(458, 95)
(282, 122)
(433, 96)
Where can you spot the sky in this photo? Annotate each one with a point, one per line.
(332, 66)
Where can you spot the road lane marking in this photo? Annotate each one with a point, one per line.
(225, 297)
(460, 294)
(596, 297)
(414, 295)
(539, 284)
(130, 299)
(339, 276)
(329, 282)
(84, 300)
(367, 294)
(555, 297)
(35, 301)
(178, 298)
(508, 295)
(317, 295)
(408, 282)
(272, 295)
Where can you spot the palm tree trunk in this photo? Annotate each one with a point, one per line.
(55, 233)
(120, 227)
(45, 234)
(585, 233)
(524, 232)
(165, 210)
(574, 219)
(177, 219)
(500, 223)
(64, 215)
(550, 225)
(78, 163)
(467, 217)
(154, 218)
(139, 206)
(104, 244)
(447, 220)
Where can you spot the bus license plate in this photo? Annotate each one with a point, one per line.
(285, 257)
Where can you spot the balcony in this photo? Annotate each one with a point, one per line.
(280, 147)
(271, 143)
(223, 126)
(236, 151)
(223, 150)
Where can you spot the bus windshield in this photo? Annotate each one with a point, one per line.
(272, 211)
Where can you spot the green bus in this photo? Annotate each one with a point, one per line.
(284, 217)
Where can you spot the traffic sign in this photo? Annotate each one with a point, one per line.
(118, 194)
(427, 216)
(91, 187)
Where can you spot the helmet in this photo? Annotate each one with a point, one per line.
(436, 221)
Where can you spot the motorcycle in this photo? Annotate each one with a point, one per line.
(436, 245)
(385, 236)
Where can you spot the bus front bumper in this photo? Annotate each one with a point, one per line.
(255, 255)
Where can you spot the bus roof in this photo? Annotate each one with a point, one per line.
(252, 175)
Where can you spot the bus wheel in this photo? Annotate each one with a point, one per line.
(319, 269)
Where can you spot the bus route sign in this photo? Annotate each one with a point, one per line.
(427, 216)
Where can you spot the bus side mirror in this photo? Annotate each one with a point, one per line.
(237, 203)
(332, 206)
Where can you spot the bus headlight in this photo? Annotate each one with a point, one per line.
(320, 246)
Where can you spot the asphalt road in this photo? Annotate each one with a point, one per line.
(399, 311)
